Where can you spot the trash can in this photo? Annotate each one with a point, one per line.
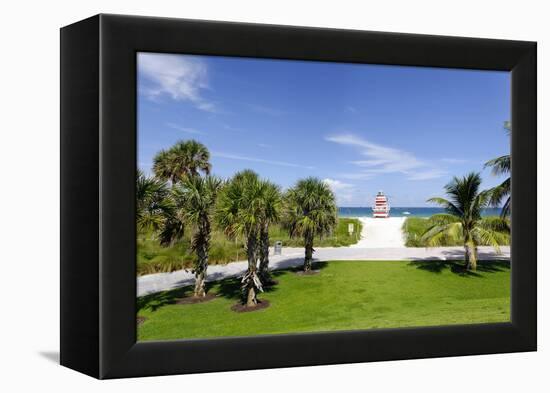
(278, 249)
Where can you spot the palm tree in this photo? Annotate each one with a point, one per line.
(502, 166)
(239, 213)
(151, 202)
(462, 220)
(194, 202)
(310, 211)
(271, 207)
(183, 160)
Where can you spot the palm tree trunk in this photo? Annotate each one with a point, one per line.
(199, 284)
(251, 299)
(308, 240)
(249, 286)
(202, 243)
(471, 257)
(265, 276)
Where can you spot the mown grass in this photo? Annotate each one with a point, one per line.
(415, 227)
(345, 295)
(154, 258)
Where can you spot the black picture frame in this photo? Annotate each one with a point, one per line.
(98, 169)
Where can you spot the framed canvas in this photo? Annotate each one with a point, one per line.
(176, 133)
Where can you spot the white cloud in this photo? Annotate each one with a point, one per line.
(337, 185)
(358, 176)
(369, 163)
(182, 78)
(260, 160)
(188, 130)
(383, 159)
(264, 145)
(344, 191)
(427, 175)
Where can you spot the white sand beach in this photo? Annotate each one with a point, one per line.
(381, 233)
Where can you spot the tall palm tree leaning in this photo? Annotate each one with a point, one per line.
(462, 220)
(502, 166)
(239, 213)
(183, 160)
(270, 212)
(194, 201)
(310, 211)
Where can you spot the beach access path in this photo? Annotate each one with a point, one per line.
(381, 233)
(293, 257)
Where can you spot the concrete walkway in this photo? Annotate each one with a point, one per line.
(295, 257)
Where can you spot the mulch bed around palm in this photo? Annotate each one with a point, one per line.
(194, 300)
(242, 307)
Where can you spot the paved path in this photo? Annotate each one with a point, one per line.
(295, 257)
(381, 233)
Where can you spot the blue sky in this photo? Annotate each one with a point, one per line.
(361, 128)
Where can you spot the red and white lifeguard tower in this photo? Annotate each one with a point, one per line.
(381, 208)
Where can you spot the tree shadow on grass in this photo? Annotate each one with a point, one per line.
(157, 300)
(493, 266)
(229, 288)
(459, 267)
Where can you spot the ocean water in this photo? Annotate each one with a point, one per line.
(400, 211)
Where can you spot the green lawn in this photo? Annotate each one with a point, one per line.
(153, 258)
(343, 296)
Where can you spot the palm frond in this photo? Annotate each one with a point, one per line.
(499, 193)
(496, 224)
(183, 160)
(464, 222)
(449, 206)
(500, 165)
(441, 233)
(151, 202)
(442, 218)
(506, 208)
(310, 208)
(490, 238)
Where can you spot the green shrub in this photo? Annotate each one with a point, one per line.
(163, 264)
(154, 258)
(415, 227)
(340, 237)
